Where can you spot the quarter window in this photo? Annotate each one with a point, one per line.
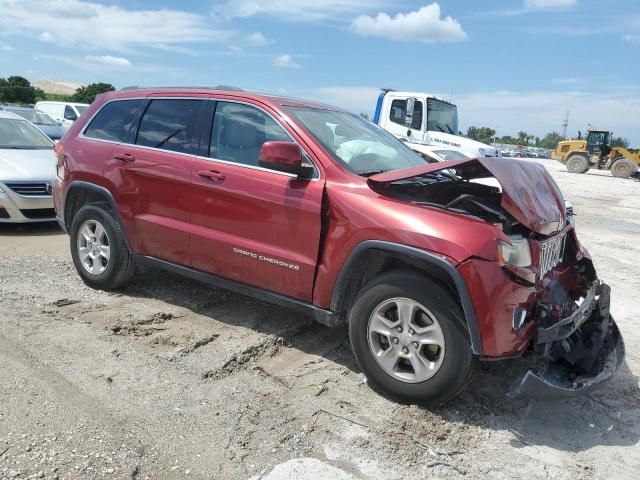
(399, 109)
(171, 125)
(115, 121)
(240, 130)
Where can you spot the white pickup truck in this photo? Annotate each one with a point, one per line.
(423, 119)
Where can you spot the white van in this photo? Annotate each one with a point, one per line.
(64, 112)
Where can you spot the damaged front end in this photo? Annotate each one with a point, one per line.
(540, 291)
(578, 352)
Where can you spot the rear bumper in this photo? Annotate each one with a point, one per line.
(578, 354)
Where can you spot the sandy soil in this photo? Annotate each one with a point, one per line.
(170, 379)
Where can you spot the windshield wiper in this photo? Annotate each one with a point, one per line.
(371, 173)
(449, 128)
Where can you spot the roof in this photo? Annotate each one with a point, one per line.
(16, 107)
(274, 100)
(12, 116)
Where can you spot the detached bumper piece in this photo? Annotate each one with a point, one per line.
(578, 354)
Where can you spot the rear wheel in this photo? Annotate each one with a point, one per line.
(409, 338)
(99, 250)
(623, 168)
(577, 164)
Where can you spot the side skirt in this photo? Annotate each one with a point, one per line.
(325, 317)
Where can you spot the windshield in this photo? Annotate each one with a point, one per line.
(451, 155)
(81, 108)
(355, 143)
(442, 116)
(33, 116)
(20, 134)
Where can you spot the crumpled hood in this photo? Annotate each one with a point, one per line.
(529, 193)
(24, 165)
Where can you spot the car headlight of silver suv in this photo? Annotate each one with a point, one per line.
(516, 253)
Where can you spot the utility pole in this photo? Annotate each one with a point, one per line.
(564, 125)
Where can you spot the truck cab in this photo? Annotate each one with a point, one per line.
(424, 119)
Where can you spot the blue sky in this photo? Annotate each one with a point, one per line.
(510, 65)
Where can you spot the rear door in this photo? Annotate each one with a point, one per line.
(251, 224)
(152, 175)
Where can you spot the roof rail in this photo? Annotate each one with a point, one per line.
(387, 90)
(215, 87)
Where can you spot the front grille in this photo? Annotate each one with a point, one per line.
(30, 189)
(551, 253)
(39, 213)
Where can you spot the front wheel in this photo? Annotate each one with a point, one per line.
(623, 168)
(409, 338)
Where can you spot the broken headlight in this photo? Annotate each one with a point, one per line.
(516, 253)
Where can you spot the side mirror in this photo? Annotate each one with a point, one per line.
(70, 116)
(408, 113)
(284, 157)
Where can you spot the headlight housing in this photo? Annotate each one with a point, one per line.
(516, 253)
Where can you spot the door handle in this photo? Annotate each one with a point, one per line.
(211, 175)
(125, 157)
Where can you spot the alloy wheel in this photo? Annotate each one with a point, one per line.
(94, 247)
(406, 340)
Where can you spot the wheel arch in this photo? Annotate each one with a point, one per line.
(81, 193)
(373, 257)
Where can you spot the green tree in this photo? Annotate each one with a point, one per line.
(17, 89)
(620, 142)
(89, 93)
(550, 141)
(481, 134)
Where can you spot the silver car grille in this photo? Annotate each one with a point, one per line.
(551, 254)
(30, 189)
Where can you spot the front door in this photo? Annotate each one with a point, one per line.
(250, 224)
(395, 122)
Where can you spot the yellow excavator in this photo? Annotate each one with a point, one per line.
(596, 152)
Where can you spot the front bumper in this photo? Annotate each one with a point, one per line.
(15, 208)
(578, 354)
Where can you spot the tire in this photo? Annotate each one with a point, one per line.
(99, 250)
(451, 365)
(623, 168)
(577, 164)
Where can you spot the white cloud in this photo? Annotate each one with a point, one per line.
(632, 38)
(424, 25)
(299, 10)
(549, 4)
(95, 25)
(46, 37)
(256, 39)
(108, 60)
(6, 48)
(285, 61)
(537, 112)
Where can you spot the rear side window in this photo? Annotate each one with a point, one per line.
(115, 121)
(239, 132)
(171, 125)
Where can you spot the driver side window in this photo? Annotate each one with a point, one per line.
(398, 110)
(240, 130)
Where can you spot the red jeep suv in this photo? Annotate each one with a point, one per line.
(306, 205)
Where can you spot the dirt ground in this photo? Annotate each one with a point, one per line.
(170, 379)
